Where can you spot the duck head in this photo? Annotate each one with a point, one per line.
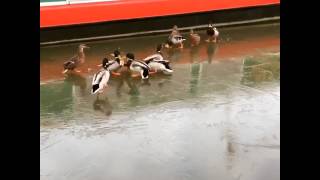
(129, 58)
(116, 53)
(210, 24)
(175, 27)
(104, 61)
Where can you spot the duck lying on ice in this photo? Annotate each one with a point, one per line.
(156, 61)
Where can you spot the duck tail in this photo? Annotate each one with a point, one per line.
(167, 66)
(168, 71)
(145, 73)
(148, 60)
(65, 65)
(95, 88)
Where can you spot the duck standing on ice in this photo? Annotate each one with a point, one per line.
(175, 39)
(156, 61)
(194, 38)
(137, 66)
(76, 60)
(212, 32)
(113, 65)
(101, 78)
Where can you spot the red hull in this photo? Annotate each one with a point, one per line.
(87, 13)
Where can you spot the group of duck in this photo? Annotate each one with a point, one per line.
(149, 65)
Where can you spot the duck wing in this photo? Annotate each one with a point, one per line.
(112, 65)
(167, 65)
(71, 63)
(100, 80)
(154, 57)
(141, 64)
(74, 58)
(216, 32)
(178, 37)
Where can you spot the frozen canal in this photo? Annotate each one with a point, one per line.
(216, 118)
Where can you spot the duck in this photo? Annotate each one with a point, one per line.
(76, 60)
(101, 78)
(212, 32)
(157, 56)
(137, 66)
(114, 64)
(156, 61)
(194, 38)
(175, 39)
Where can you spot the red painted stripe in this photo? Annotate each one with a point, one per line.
(51, 16)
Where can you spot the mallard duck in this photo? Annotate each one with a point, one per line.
(194, 38)
(212, 32)
(76, 60)
(137, 66)
(157, 56)
(100, 81)
(175, 30)
(175, 38)
(113, 64)
(157, 62)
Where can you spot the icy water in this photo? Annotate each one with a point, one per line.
(217, 117)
